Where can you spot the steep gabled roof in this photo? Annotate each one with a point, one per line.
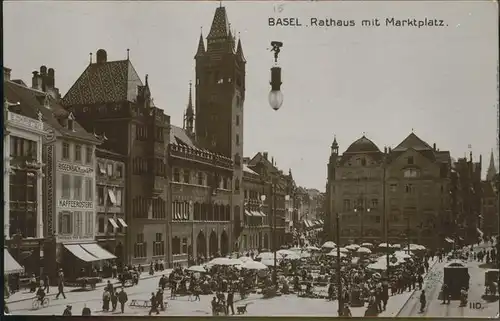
(33, 101)
(414, 142)
(178, 136)
(259, 158)
(105, 82)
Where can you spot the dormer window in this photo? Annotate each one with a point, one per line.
(220, 81)
(71, 122)
(410, 160)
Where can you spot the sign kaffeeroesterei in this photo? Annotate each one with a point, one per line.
(73, 204)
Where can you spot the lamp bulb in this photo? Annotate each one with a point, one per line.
(275, 99)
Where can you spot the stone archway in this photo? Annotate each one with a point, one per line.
(213, 244)
(224, 244)
(201, 244)
(266, 241)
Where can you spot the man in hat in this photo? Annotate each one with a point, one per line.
(67, 311)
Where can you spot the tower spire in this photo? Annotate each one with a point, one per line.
(239, 49)
(492, 171)
(189, 115)
(201, 46)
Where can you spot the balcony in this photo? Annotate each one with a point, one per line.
(200, 156)
(158, 185)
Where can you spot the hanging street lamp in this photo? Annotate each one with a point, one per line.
(275, 95)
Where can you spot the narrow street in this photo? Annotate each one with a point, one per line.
(435, 308)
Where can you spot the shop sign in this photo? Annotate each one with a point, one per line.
(73, 204)
(74, 237)
(74, 168)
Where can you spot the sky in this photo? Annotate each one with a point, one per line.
(384, 82)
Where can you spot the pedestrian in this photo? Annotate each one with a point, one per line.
(159, 299)
(122, 298)
(114, 270)
(154, 305)
(114, 300)
(67, 311)
(214, 306)
(420, 281)
(60, 288)
(230, 302)
(86, 311)
(422, 301)
(106, 297)
(46, 283)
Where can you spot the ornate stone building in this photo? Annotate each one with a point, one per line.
(201, 193)
(354, 189)
(414, 179)
(110, 100)
(278, 190)
(489, 205)
(69, 158)
(256, 232)
(111, 201)
(220, 96)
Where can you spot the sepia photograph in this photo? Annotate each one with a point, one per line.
(251, 158)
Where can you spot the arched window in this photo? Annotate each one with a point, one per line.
(237, 184)
(228, 213)
(222, 214)
(216, 212)
(197, 211)
(203, 211)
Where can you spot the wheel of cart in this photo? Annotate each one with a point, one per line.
(36, 304)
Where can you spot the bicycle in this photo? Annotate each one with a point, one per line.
(36, 304)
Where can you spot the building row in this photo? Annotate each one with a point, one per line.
(411, 193)
(101, 173)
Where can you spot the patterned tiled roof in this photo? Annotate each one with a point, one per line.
(33, 101)
(108, 82)
(220, 24)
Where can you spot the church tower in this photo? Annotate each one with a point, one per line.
(220, 95)
(189, 114)
(492, 171)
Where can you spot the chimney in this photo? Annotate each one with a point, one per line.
(102, 56)
(390, 149)
(51, 80)
(36, 81)
(265, 155)
(385, 150)
(6, 73)
(434, 146)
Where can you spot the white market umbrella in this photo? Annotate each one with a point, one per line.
(305, 255)
(293, 256)
(268, 262)
(383, 245)
(380, 265)
(312, 248)
(352, 247)
(396, 246)
(329, 245)
(252, 265)
(245, 259)
(334, 253)
(364, 250)
(225, 261)
(197, 268)
(343, 250)
(402, 255)
(285, 252)
(266, 256)
(367, 244)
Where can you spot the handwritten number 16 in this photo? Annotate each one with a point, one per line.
(279, 8)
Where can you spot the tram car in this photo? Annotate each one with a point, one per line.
(456, 277)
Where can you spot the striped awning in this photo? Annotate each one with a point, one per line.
(11, 266)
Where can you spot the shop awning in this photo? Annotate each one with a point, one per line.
(248, 213)
(112, 197)
(10, 264)
(102, 170)
(261, 214)
(98, 251)
(80, 253)
(256, 213)
(449, 240)
(479, 231)
(122, 222)
(113, 222)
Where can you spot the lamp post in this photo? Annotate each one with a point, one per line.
(339, 278)
(408, 232)
(386, 221)
(275, 97)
